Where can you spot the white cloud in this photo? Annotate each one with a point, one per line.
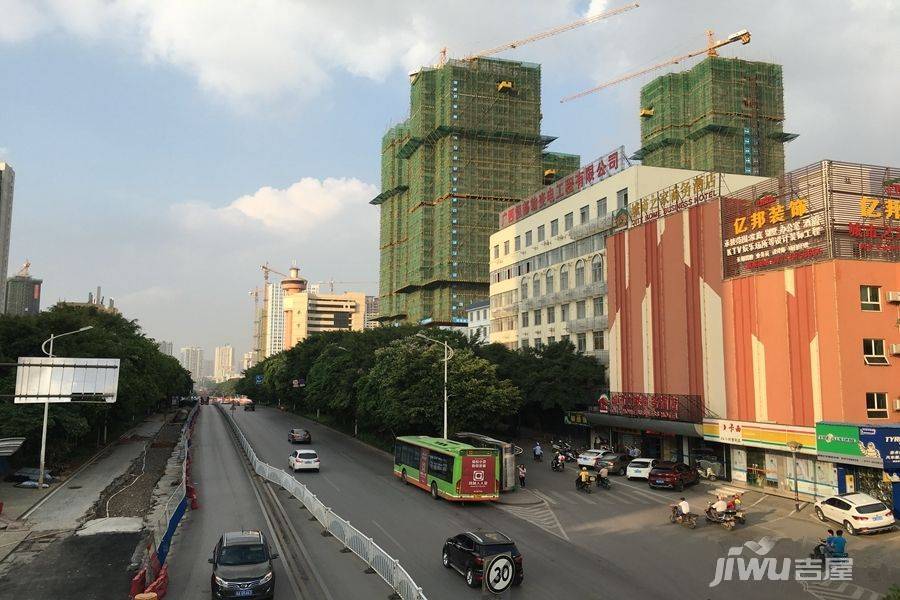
(300, 208)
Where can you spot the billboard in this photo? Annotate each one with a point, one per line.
(45, 379)
(841, 443)
(478, 475)
(675, 198)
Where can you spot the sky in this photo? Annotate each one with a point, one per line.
(165, 149)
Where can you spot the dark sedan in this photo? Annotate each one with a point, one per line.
(672, 475)
(616, 462)
(242, 567)
(299, 436)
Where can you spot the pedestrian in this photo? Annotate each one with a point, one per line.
(522, 472)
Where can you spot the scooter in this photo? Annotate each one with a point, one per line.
(557, 465)
(584, 487)
(738, 514)
(725, 520)
(689, 520)
(604, 483)
(823, 551)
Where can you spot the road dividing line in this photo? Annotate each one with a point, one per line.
(328, 479)
(544, 497)
(389, 536)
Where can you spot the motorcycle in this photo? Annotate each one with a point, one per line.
(689, 520)
(725, 520)
(604, 483)
(738, 514)
(822, 551)
(557, 465)
(584, 487)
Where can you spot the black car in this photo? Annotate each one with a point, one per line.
(299, 436)
(467, 552)
(615, 462)
(250, 406)
(242, 567)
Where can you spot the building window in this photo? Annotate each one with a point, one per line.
(537, 317)
(538, 344)
(598, 306)
(541, 232)
(601, 207)
(870, 297)
(579, 273)
(596, 269)
(524, 319)
(537, 285)
(549, 277)
(528, 238)
(873, 352)
(551, 340)
(598, 340)
(569, 220)
(524, 292)
(505, 247)
(518, 242)
(564, 313)
(525, 343)
(581, 346)
(584, 214)
(622, 198)
(564, 339)
(496, 250)
(580, 309)
(876, 405)
(554, 227)
(551, 314)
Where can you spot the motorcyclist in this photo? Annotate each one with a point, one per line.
(538, 451)
(734, 503)
(584, 478)
(682, 508)
(837, 544)
(603, 474)
(720, 506)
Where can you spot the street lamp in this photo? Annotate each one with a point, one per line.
(793, 447)
(47, 402)
(448, 354)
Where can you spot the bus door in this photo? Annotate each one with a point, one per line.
(423, 466)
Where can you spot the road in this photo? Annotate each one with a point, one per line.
(606, 554)
(229, 501)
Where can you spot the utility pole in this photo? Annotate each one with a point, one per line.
(448, 354)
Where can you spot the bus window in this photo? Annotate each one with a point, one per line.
(440, 466)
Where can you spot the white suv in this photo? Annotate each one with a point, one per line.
(640, 468)
(304, 460)
(856, 512)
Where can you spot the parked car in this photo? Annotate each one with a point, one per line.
(304, 460)
(616, 462)
(639, 468)
(299, 436)
(856, 512)
(242, 567)
(672, 475)
(250, 406)
(466, 553)
(590, 458)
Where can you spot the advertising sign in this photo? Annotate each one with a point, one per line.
(478, 475)
(42, 379)
(604, 167)
(730, 433)
(576, 418)
(841, 443)
(675, 198)
(882, 444)
(667, 407)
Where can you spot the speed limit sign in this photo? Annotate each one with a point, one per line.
(499, 573)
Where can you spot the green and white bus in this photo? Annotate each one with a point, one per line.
(448, 469)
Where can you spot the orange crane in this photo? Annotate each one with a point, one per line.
(742, 36)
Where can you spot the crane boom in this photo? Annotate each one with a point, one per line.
(742, 36)
(554, 31)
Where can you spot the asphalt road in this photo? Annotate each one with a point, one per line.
(228, 502)
(611, 544)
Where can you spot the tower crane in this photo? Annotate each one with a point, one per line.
(742, 36)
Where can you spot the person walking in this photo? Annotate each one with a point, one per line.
(522, 472)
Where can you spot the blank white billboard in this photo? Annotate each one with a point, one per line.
(45, 379)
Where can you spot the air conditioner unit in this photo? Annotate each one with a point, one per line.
(893, 297)
(895, 349)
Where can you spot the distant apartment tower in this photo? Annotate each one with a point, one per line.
(472, 145)
(98, 301)
(192, 360)
(7, 182)
(166, 348)
(223, 368)
(372, 312)
(23, 293)
(725, 115)
(306, 312)
(274, 320)
(247, 361)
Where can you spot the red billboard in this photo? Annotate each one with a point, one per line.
(478, 475)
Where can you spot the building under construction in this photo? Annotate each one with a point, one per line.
(471, 146)
(724, 115)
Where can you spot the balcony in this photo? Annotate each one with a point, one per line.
(581, 292)
(591, 227)
(602, 356)
(587, 324)
(511, 310)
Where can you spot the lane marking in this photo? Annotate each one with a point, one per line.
(543, 496)
(389, 536)
(578, 495)
(758, 501)
(326, 478)
(561, 496)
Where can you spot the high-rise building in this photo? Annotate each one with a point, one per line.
(372, 312)
(224, 365)
(192, 360)
(274, 320)
(471, 146)
(306, 312)
(98, 302)
(247, 361)
(166, 348)
(7, 183)
(724, 115)
(23, 293)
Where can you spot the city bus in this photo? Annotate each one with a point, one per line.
(448, 469)
(508, 453)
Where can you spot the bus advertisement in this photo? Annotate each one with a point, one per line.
(448, 469)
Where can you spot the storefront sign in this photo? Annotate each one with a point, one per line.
(841, 443)
(881, 443)
(604, 167)
(675, 198)
(576, 418)
(667, 407)
(875, 238)
(760, 435)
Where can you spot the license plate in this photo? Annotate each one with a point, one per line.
(659, 481)
(878, 518)
(243, 593)
(309, 462)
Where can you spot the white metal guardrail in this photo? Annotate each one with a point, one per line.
(387, 567)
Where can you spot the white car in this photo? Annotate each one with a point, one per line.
(856, 512)
(304, 460)
(589, 458)
(640, 468)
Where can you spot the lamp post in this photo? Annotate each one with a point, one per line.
(49, 353)
(448, 354)
(793, 447)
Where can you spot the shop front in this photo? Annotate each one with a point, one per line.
(760, 457)
(865, 458)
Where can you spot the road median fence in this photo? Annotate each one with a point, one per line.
(387, 567)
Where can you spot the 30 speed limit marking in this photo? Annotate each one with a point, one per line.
(499, 573)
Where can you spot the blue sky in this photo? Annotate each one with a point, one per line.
(164, 149)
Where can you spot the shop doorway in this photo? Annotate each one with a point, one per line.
(756, 468)
(871, 482)
(651, 446)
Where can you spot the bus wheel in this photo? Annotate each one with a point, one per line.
(434, 491)
(403, 476)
